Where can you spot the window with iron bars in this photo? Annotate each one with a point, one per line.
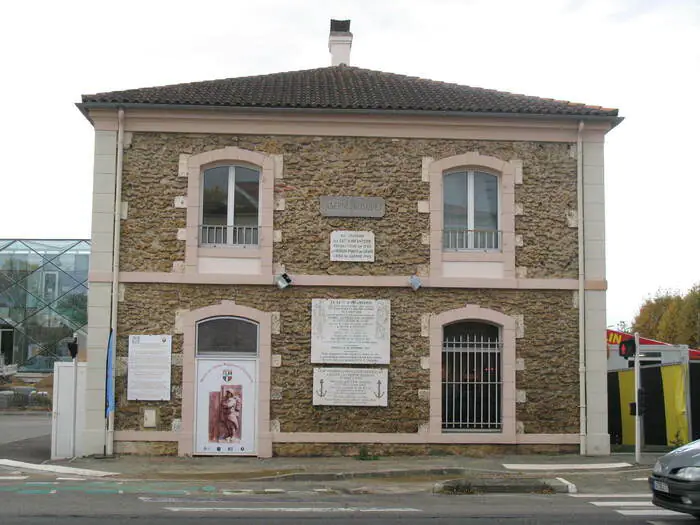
(472, 385)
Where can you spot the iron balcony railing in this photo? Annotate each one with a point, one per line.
(472, 384)
(463, 239)
(225, 235)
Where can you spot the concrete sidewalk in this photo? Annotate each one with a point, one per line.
(446, 474)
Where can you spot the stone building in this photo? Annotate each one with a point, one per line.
(340, 258)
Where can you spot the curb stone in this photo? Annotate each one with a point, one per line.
(336, 476)
(502, 486)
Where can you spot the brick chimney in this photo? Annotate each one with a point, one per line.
(340, 42)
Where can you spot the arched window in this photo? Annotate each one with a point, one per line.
(227, 335)
(472, 382)
(471, 211)
(230, 206)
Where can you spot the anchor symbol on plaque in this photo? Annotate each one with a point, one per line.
(379, 394)
(321, 392)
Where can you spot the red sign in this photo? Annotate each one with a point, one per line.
(615, 337)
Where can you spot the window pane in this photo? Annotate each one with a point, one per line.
(455, 200)
(245, 208)
(485, 201)
(215, 196)
(227, 335)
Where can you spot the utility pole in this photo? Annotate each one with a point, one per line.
(637, 416)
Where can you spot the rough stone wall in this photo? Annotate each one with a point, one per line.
(316, 166)
(549, 348)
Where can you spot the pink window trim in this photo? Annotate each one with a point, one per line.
(270, 168)
(473, 313)
(506, 174)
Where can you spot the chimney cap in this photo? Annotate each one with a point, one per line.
(340, 26)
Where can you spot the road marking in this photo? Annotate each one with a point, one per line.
(290, 509)
(622, 503)
(56, 468)
(571, 488)
(71, 479)
(639, 479)
(619, 496)
(41, 483)
(12, 478)
(652, 512)
(559, 466)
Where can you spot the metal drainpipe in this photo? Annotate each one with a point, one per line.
(109, 442)
(581, 295)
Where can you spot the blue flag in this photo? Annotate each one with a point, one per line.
(109, 401)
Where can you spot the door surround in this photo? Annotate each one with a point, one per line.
(190, 320)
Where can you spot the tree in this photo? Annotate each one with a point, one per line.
(650, 313)
(671, 317)
(690, 318)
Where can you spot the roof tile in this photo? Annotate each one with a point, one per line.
(345, 87)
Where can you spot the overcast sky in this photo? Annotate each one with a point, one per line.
(641, 56)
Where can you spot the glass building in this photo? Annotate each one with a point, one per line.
(43, 300)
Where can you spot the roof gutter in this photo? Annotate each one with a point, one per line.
(85, 108)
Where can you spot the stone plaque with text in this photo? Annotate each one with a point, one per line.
(332, 206)
(351, 246)
(350, 331)
(351, 386)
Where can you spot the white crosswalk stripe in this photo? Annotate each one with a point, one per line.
(637, 505)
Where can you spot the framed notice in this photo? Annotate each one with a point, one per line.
(350, 331)
(149, 367)
(365, 387)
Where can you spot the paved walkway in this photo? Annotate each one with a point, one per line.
(337, 468)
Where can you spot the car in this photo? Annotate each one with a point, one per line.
(675, 480)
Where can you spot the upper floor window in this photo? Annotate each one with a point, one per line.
(471, 211)
(230, 206)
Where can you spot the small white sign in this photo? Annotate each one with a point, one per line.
(149, 364)
(350, 331)
(352, 246)
(351, 386)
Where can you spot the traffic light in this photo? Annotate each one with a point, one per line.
(628, 348)
(643, 401)
(73, 348)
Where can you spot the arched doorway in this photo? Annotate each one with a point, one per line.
(226, 395)
(472, 377)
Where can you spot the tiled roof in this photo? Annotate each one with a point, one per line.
(345, 87)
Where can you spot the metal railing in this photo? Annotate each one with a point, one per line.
(224, 235)
(472, 386)
(464, 239)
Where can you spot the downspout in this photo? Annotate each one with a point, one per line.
(109, 442)
(581, 294)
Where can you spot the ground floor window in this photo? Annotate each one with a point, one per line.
(472, 385)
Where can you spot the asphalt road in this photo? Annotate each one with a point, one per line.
(82, 509)
(25, 437)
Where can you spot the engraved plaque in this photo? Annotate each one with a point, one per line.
(350, 331)
(332, 206)
(352, 246)
(365, 387)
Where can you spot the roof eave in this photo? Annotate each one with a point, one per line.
(85, 108)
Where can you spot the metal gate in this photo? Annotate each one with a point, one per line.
(472, 384)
